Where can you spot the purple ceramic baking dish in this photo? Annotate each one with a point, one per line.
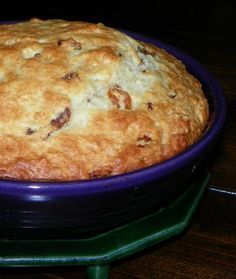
(52, 209)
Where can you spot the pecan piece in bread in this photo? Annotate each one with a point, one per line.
(69, 43)
(29, 131)
(70, 75)
(144, 51)
(61, 119)
(150, 106)
(119, 98)
(144, 140)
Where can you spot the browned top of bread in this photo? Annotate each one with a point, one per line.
(81, 100)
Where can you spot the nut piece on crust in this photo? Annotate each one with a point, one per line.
(61, 119)
(119, 98)
(81, 100)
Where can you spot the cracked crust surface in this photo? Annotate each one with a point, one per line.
(81, 100)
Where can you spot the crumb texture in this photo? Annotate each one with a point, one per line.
(81, 100)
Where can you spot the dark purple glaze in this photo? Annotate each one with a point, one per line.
(103, 202)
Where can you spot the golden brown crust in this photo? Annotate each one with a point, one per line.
(81, 100)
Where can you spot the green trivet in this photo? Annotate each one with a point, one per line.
(99, 251)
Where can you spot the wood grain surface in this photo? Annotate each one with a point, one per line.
(208, 248)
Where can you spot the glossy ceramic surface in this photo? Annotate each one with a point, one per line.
(101, 250)
(84, 206)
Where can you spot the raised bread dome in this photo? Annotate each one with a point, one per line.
(81, 100)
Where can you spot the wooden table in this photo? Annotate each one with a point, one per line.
(208, 249)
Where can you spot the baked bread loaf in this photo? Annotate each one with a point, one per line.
(81, 100)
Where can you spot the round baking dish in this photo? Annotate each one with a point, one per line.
(54, 209)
